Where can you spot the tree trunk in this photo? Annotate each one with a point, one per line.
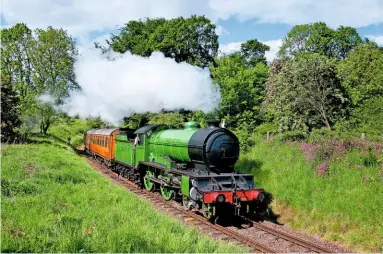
(46, 127)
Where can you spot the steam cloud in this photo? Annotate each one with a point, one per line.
(133, 84)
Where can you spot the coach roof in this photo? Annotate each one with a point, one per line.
(106, 132)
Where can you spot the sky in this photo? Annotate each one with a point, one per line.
(237, 20)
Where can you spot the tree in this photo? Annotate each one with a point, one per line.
(362, 73)
(367, 118)
(307, 93)
(172, 119)
(268, 107)
(192, 40)
(16, 50)
(136, 37)
(254, 51)
(54, 53)
(242, 89)
(346, 38)
(319, 38)
(39, 65)
(10, 116)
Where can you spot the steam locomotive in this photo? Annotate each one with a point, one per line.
(193, 164)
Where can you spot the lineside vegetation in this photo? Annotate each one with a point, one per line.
(53, 201)
(332, 189)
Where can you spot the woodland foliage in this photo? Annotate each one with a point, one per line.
(323, 80)
(38, 64)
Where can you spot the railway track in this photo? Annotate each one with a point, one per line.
(189, 216)
(301, 242)
(201, 223)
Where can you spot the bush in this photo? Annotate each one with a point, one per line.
(264, 128)
(321, 134)
(292, 135)
(367, 118)
(245, 138)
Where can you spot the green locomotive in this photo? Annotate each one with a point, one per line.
(193, 164)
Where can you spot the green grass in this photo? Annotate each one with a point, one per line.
(73, 128)
(344, 206)
(53, 201)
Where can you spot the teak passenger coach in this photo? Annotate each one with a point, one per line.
(193, 164)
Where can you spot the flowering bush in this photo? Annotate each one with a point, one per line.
(322, 169)
(309, 150)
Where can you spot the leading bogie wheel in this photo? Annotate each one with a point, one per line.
(185, 202)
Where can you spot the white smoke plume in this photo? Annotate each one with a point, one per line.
(113, 89)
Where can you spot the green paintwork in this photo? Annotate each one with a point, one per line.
(167, 193)
(185, 185)
(171, 144)
(192, 125)
(126, 153)
(163, 147)
(148, 184)
(124, 150)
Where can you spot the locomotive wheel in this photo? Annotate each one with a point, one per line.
(149, 185)
(208, 212)
(185, 202)
(167, 193)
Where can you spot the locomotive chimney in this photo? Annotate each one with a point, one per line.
(212, 123)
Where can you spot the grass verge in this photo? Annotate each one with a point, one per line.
(339, 199)
(53, 201)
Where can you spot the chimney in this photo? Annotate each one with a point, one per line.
(212, 123)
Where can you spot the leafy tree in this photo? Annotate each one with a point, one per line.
(319, 38)
(254, 51)
(172, 119)
(39, 65)
(95, 122)
(242, 89)
(268, 107)
(346, 38)
(192, 40)
(137, 120)
(136, 37)
(367, 118)
(10, 119)
(362, 73)
(16, 50)
(54, 53)
(307, 94)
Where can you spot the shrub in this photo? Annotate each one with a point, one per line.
(245, 138)
(264, 128)
(292, 135)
